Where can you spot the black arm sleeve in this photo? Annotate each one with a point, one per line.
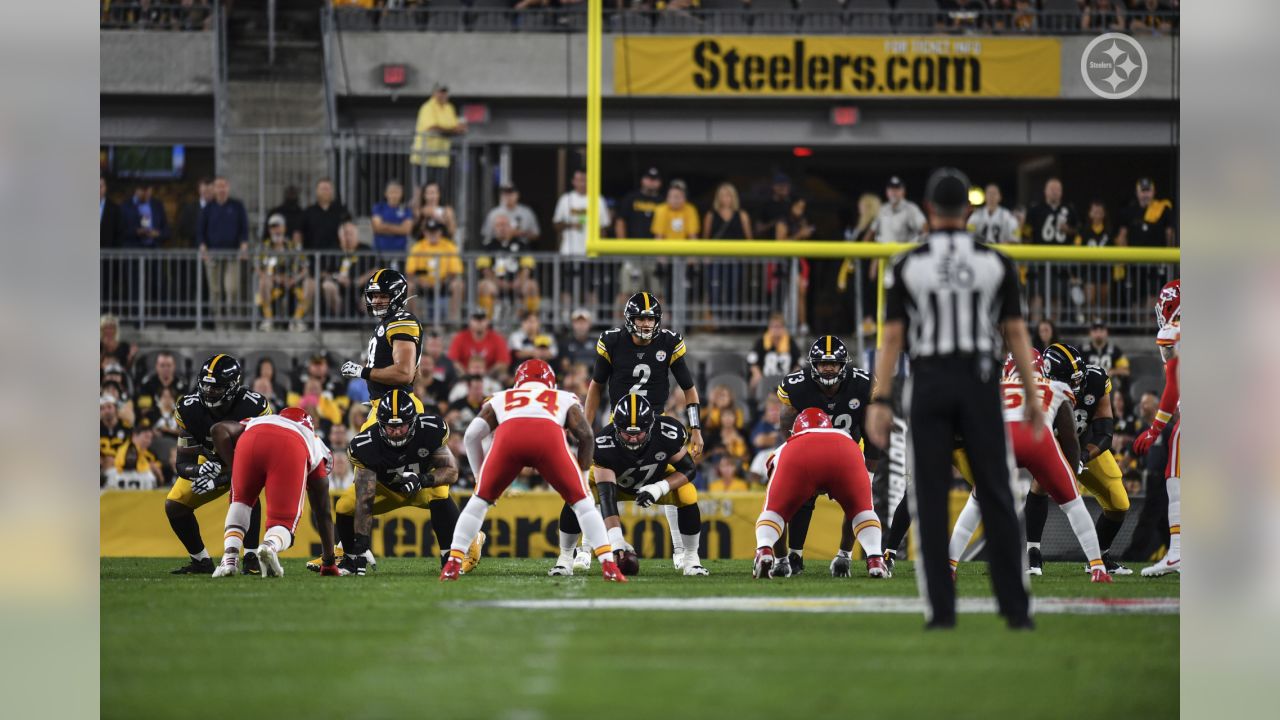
(188, 465)
(685, 466)
(1010, 297)
(680, 370)
(895, 295)
(1099, 435)
(608, 498)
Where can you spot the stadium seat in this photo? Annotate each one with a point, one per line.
(678, 23)
(917, 15)
(774, 16)
(822, 17)
(353, 20)
(1059, 16)
(734, 363)
(865, 16)
(736, 384)
(634, 22)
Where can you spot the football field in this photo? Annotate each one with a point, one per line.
(400, 644)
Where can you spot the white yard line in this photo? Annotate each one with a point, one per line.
(858, 605)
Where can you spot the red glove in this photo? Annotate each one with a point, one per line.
(1146, 440)
(330, 570)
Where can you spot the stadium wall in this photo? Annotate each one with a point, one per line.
(141, 62)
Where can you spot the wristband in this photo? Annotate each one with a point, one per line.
(663, 487)
(691, 414)
(365, 372)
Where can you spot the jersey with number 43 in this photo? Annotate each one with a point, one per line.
(846, 407)
(1052, 395)
(533, 400)
(634, 469)
(641, 369)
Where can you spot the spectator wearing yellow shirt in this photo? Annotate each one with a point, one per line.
(727, 478)
(437, 123)
(676, 219)
(434, 268)
(136, 467)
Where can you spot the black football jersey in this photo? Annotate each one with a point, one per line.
(196, 420)
(647, 466)
(640, 369)
(1094, 392)
(846, 407)
(395, 326)
(369, 451)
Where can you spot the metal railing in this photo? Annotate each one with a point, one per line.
(320, 290)
(172, 17)
(359, 163)
(830, 18)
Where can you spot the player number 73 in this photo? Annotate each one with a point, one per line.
(520, 398)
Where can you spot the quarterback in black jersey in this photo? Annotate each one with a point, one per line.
(1091, 389)
(202, 476)
(640, 456)
(635, 359)
(832, 385)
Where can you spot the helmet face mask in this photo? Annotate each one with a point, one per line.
(643, 315)
(214, 394)
(397, 418)
(396, 434)
(388, 284)
(828, 361)
(1063, 363)
(633, 420)
(220, 377)
(378, 303)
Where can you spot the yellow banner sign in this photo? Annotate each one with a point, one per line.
(133, 524)
(934, 67)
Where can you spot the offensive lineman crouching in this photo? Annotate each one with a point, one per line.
(817, 458)
(628, 461)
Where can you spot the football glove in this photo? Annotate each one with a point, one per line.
(351, 369)
(649, 494)
(207, 480)
(1146, 440)
(407, 484)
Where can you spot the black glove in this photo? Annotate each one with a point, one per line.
(407, 484)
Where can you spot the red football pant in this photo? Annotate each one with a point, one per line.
(530, 442)
(811, 464)
(1044, 459)
(271, 459)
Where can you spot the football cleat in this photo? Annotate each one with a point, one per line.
(563, 567)
(329, 571)
(609, 570)
(781, 566)
(876, 567)
(693, 566)
(353, 564)
(315, 565)
(452, 569)
(797, 563)
(889, 561)
(227, 567)
(270, 562)
(1163, 567)
(582, 559)
(1113, 568)
(472, 559)
(1035, 562)
(1099, 575)
(250, 565)
(762, 568)
(203, 566)
(841, 566)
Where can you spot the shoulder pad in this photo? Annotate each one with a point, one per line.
(859, 373)
(795, 378)
(672, 333)
(400, 315)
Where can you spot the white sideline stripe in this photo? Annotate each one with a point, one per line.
(858, 605)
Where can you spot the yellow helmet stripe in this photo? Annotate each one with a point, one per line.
(1072, 358)
(378, 274)
(395, 403)
(646, 301)
(633, 409)
(828, 344)
(213, 364)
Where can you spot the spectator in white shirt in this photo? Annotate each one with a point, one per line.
(993, 223)
(571, 217)
(523, 221)
(900, 220)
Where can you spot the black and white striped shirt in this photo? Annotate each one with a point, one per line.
(952, 293)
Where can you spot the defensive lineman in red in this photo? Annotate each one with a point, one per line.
(528, 424)
(816, 459)
(276, 455)
(1169, 338)
(1052, 466)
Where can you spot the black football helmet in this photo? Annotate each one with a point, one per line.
(828, 349)
(1063, 362)
(397, 417)
(643, 305)
(220, 378)
(390, 282)
(633, 420)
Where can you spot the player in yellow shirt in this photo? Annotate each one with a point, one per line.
(677, 218)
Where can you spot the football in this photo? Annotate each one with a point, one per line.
(629, 563)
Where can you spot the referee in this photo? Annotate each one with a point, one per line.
(948, 303)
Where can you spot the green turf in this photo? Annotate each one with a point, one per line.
(400, 644)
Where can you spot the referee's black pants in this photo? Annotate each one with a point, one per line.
(946, 398)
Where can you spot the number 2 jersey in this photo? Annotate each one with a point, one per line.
(196, 420)
(627, 368)
(846, 406)
(398, 326)
(634, 469)
(370, 451)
